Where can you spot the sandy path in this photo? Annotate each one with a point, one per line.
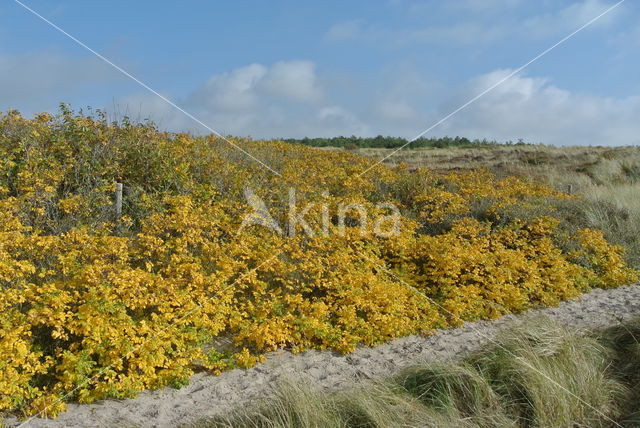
(207, 395)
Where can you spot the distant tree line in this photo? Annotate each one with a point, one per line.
(354, 142)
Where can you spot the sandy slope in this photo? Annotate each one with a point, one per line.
(207, 395)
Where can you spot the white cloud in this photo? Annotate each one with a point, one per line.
(403, 99)
(477, 25)
(489, 7)
(395, 110)
(39, 80)
(233, 91)
(339, 118)
(246, 88)
(285, 99)
(534, 109)
(294, 79)
(464, 33)
(569, 18)
(484, 5)
(347, 30)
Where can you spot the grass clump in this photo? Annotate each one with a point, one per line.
(458, 391)
(550, 376)
(624, 340)
(538, 374)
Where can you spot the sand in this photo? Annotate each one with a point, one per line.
(208, 395)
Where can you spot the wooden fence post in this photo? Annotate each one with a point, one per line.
(118, 200)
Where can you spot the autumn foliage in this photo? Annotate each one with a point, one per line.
(93, 306)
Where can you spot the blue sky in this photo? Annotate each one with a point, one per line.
(296, 68)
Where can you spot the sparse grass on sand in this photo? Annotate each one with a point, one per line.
(538, 374)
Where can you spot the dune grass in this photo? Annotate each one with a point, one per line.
(624, 340)
(537, 374)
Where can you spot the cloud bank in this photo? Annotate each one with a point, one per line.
(534, 109)
(476, 23)
(289, 99)
(33, 80)
(285, 99)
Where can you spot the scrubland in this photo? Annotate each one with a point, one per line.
(96, 305)
(608, 178)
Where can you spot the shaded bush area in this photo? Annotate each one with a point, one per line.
(539, 374)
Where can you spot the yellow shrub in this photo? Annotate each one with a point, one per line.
(94, 307)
